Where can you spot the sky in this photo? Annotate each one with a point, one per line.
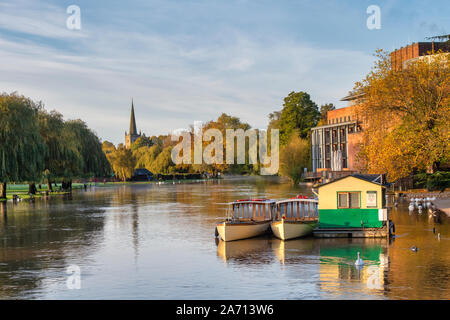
(191, 60)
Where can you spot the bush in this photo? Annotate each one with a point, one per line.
(439, 180)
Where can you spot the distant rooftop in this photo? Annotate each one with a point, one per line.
(352, 96)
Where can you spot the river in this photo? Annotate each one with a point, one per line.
(151, 241)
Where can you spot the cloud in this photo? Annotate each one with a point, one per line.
(175, 79)
(37, 19)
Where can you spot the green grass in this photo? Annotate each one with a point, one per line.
(22, 189)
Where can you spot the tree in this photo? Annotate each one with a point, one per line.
(146, 155)
(89, 147)
(22, 148)
(274, 120)
(294, 157)
(405, 115)
(61, 153)
(142, 141)
(299, 114)
(324, 113)
(163, 162)
(224, 122)
(122, 162)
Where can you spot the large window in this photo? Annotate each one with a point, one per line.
(348, 200)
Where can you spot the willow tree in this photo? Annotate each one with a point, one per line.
(62, 155)
(21, 146)
(145, 155)
(89, 148)
(294, 157)
(122, 162)
(405, 115)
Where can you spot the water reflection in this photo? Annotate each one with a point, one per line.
(148, 241)
(294, 251)
(340, 276)
(36, 240)
(254, 250)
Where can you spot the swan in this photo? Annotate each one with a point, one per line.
(411, 207)
(414, 248)
(359, 261)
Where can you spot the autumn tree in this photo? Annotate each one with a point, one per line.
(122, 161)
(163, 162)
(405, 115)
(324, 113)
(294, 157)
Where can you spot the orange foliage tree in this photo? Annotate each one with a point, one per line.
(405, 115)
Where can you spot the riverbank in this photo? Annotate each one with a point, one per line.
(21, 190)
(424, 194)
(443, 205)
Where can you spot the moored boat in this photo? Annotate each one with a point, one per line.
(295, 217)
(250, 218)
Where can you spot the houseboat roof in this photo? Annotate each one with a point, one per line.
(377, 179)
(245, 201)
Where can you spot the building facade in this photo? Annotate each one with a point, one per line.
(334, 145)
(355, 201)
(400, 57)
(132, 135)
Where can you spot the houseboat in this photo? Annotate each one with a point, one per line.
(354, 206)
(249, 218)
(296, 217)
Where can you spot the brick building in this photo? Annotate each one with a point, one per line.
(413, 51)
(334, 146)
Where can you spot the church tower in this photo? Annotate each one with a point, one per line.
(132, 135)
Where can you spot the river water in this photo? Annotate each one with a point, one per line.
(150, 241)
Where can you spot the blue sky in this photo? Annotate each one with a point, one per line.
(186, 61)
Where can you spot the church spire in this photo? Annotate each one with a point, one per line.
(133, 130)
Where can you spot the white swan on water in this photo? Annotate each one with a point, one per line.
(359, 261)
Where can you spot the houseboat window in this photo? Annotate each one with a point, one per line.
(371, 199)
(343, 200)
(354, 199)
(348, 200)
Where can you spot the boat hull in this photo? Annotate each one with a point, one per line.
(230, 231)
(286, 230)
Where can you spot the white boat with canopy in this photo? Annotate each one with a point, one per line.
(249, 218)
(295, 217)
